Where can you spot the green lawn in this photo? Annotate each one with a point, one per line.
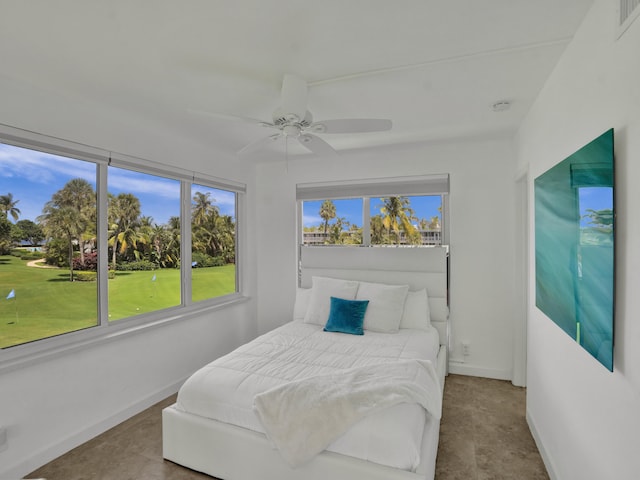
(47, 304)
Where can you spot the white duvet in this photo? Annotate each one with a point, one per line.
(225, 389)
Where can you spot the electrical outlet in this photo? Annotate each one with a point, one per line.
(3, 438)
(466, 349)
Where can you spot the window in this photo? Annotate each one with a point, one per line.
(89, 239)
(408, 211)
(213, 242)
(47, 243)
(406, 220)
(143, 218)
(332, 222)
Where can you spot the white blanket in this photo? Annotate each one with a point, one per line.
(301, 418)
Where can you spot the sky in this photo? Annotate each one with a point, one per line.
(32, 177)
(351, 209)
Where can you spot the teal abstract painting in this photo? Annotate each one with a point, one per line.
(574, 246)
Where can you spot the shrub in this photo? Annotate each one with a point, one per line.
(32, 255)
(85, 276)
(25, 254)
(139, 265)
(56, 253)
(201, 260)
(90, 262)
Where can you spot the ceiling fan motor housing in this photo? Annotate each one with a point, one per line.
(283, 119)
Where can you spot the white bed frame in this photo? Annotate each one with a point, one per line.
(234, 453)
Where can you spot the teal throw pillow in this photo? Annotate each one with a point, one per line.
(346, 316)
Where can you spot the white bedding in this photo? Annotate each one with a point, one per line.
(225, 389)
(303, 417)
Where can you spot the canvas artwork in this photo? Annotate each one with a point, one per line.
(574, 238)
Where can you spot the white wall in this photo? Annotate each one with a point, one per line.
(50, 407)
(482, 231)
(587, 420)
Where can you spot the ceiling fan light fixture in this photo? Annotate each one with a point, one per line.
(291, 130)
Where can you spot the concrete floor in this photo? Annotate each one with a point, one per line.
(483, 436)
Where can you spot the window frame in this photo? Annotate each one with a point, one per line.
(104, 330)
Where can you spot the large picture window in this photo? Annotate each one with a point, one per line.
(88, 241)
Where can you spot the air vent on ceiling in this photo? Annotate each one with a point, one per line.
(629, 11)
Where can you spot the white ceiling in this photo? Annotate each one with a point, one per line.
(434, 67)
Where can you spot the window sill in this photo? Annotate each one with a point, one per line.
(46, 349)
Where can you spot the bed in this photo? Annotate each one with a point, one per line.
(231, 414)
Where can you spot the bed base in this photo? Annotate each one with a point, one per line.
(229, 452)
(234, 453)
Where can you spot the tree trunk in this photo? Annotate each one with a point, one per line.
(115, 249)
(70, 259)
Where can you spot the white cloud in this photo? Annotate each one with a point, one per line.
(42, 168)
(129, 181)
(312, 220)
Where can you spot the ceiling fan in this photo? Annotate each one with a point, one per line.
(294, 121)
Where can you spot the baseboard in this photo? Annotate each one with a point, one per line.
(461, 368)
(548, 463)
(52, 452)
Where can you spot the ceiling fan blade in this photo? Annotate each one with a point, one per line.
(258, 144)
(316, 145)
(233, 118)
(294, 95)
(351, 125)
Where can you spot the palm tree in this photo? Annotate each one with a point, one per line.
(157, 236)
(397, 216)
(377, 230)
(171, 252)
(216, 236)
(62, 222)
(227, 238)
(71, 215)
(5, 235)
(124, 213)
(354, 236)
(327, 212)
(79, 195)
(8, 206)
(145, 232)
(335, 236)
(201, 208)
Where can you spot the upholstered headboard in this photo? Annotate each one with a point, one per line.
(417, 267)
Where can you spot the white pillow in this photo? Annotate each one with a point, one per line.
(416, 311)
(386, 304)
(303, 296)
(322, 289)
